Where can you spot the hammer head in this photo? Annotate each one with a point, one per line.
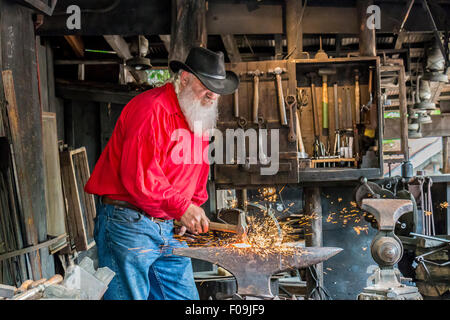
(255, 73)
(277, 70)
(327, 71)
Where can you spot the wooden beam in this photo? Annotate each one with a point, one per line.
(445, 155)
(232, 49)
(153, 18)
(119, 45)
(188, 27)
(278, 47)
(122, 49)
(367, 43)
(401, 34)
(87, 62)
(166, 40)
(403, 108)
(119, 94)
(313, 234)
(440, 127)
(76, 42)
(294, 27)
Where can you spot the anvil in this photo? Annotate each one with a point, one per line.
(254, 268)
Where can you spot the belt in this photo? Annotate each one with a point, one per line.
(124, 204)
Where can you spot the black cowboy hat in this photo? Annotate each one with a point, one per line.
(209, 68)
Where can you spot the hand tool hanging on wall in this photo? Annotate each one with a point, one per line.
(302, 101)
(356, 117)
(255, 74)
(325, 122)
(281, 107)
(292, 105)
(349, 150)
(318, 145)
(357, 98)
(337, 136)
(236, 103)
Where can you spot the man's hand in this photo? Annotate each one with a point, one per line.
(195, 220)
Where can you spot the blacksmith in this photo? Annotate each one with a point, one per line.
(143, 190)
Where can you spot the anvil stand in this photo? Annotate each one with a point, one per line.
(387, 250)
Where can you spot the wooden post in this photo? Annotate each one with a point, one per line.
(403, 108)
(230, 45)
(188, 27)
(445, 156)
(367, 44)
(294, 33)
(313, 234)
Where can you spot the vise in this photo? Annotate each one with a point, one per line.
(387, 250)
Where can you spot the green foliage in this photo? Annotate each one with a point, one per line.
(157, 77)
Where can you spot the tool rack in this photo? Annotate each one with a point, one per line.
(238, 111)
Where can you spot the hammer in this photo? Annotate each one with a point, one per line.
(240, 228)
(325, 123)
(277, 72)
(255, 74)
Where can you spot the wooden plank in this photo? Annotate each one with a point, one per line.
(19, 56)
(31, 236)
(56, 212)
(83, 166)
(77, 231)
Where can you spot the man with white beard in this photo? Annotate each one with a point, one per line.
(142, 190)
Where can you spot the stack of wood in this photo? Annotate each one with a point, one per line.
(437, 282)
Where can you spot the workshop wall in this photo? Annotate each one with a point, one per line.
(18, 54)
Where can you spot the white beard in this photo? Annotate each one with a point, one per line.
(198, 116)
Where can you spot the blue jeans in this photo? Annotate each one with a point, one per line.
(139, 251)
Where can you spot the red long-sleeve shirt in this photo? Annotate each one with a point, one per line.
(136, 165)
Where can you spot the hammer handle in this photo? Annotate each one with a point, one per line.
(236, 103)
(224, 227)
(255, 98)
(281, 105)
(301, 147)
(357, 101)
(325, 107)
(217, 226)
